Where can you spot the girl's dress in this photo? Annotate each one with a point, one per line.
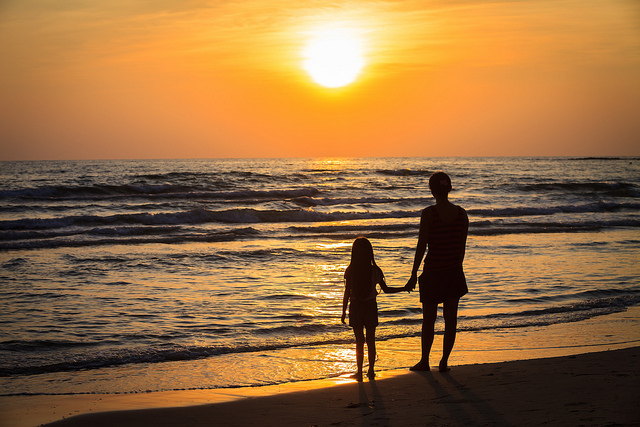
(363, 308)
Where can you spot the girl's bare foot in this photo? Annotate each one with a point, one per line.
(357, 376)
(421, 366)
(371, 375)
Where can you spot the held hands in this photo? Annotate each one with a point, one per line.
(411, 284)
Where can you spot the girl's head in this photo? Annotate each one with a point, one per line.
(440, 184)
(362, 252)
(358, 273)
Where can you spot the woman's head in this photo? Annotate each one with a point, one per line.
(362, 252)
(440, 184)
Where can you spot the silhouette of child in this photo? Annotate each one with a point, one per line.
(361, 277)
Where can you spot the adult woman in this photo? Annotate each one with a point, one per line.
(443, 231)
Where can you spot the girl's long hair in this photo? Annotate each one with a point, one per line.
(359, 271)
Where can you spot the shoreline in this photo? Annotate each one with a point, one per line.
(589, 388)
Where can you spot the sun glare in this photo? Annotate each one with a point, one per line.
(334, 57)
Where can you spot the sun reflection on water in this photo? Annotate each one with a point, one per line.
(338, 245)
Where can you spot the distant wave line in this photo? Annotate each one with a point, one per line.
(102, 192)
(32, 240)
(249, 215)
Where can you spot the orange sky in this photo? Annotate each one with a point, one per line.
(206, 79)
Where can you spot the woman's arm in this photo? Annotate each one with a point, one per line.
(421, 248)
(466, 231)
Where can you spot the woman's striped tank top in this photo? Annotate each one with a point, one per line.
(446, 241)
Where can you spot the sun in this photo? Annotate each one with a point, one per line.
(334, 57)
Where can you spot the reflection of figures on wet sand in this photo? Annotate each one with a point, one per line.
(443, 236)
(361, 277)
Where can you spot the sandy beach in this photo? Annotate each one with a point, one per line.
(586, 389)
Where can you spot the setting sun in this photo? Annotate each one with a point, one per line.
(334, 58)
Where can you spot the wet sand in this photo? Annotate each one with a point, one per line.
(586, 389)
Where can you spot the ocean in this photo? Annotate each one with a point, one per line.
(147, 275)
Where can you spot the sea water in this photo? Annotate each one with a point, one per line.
(128, 276)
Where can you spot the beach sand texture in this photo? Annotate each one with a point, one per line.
(588, 389)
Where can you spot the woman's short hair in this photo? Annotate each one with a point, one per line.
(440, 183)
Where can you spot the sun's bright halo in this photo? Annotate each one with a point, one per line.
(334, 57)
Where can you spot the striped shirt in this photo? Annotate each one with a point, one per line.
(446, 241)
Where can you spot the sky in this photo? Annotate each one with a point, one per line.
(136, 79)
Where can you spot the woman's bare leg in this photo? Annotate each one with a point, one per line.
(429, 315)
(450, 312)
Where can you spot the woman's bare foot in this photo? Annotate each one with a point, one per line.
(443, 366)
(371, 375)
(421, 366)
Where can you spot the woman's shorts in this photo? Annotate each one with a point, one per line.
(363, 313)
(436, 286)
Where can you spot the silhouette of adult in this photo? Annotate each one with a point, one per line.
(443, 236)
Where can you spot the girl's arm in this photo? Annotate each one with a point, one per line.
(345, 301)
(390, 289)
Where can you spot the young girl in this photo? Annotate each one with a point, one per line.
(361, 277)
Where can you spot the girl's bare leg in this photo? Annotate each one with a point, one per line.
(359, 333)
(371, 349)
